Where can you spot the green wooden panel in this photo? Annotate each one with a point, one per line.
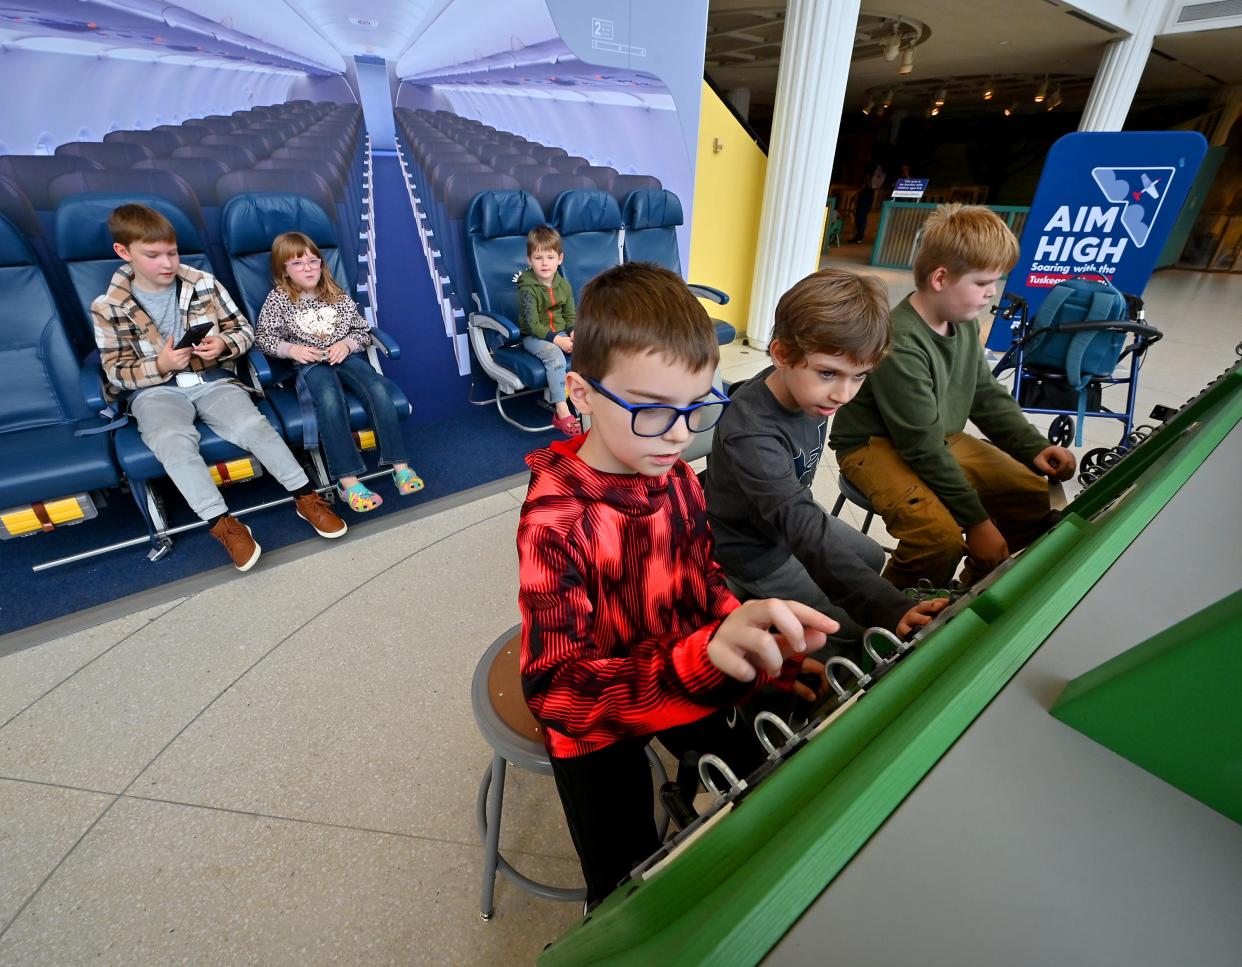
(734, 892)
(1170, 705)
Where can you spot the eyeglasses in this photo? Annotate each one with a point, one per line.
(304, 263)
(656, 419)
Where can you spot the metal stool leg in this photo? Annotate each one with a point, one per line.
(867, 520)
(838, 506)
(491, 800)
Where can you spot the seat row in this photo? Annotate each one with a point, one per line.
(321, 155)
(451, 159)
(54, 459)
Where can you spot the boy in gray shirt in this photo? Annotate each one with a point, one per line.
(772, 538)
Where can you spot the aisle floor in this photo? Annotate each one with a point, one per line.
(281, 767)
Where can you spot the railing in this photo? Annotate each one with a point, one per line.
(901, 226)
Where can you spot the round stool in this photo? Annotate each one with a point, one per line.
(515, 737)
(854, 496)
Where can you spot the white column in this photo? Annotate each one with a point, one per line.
(810, 90)
(1121, 69)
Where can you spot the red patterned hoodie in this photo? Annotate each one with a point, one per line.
(619, 597)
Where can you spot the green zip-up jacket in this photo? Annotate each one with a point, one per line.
(925, 390)
(544, 311)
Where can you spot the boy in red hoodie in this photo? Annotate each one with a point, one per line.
(629, 631)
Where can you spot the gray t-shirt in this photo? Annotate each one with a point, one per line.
(163, 310)
(761, 511)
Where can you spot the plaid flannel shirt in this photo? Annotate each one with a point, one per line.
(129, 341)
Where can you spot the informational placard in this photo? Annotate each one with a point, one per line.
(1105, 204)
(909, 189)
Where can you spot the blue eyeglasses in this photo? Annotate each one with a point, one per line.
(656, 419)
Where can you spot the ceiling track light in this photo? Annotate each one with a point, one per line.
(888, 98)
(941, 97)
(1055, 100)
(907, 61)
(869, 106)
(1011, 108)
(893, 46)
(989, 90)
(1042, 91)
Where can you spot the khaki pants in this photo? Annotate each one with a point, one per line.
(930, 541)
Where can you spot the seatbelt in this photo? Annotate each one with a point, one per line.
(306, 406)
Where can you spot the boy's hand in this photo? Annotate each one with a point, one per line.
(338, 351)
(921, 614)
(986, 545)
(811, 669)
(170, 360)
(306, 354)
(563, 342)
(745, 642)
(1055, 463)
(210, 348)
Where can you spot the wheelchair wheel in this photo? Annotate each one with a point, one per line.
(1061, 433)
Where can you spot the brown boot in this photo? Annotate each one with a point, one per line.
(238, 541)
(315, 511)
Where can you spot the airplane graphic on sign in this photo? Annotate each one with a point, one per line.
(1137, 189)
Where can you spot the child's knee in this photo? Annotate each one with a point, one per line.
(171, 442)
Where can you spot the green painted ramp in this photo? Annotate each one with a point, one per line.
(1173, 705)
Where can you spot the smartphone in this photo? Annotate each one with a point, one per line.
(194, 335)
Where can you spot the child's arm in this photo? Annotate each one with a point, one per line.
(994, 411)
(575, 686)
(269, 333)
(906, 398)
(530, 321)
(234, 328)
(359, 335)
(569, 311)
(123, 365)
(765, 473)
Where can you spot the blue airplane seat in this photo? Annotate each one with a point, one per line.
(159, 143)
(590, 226)
(651, 217)
(550, 187)
(235, 157)
(41, 402)
(624, 185)
(496, 228)
(250, 222)
(15, 206)
(33, 173)
(107, 154)
(309, 186)
(84, 244)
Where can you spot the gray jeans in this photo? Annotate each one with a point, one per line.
(791, 582)
(553, 363)
(166, 415)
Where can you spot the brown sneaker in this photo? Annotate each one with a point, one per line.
(238, 541)
(315, 511)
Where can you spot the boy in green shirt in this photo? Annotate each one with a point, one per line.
(942, 492)
(546, 317)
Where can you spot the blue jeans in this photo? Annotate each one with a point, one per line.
(326, 384)
(553, 363)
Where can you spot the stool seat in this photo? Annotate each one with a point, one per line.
(854, 496)
(515, 737)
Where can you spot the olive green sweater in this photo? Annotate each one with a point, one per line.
(925, 390)
(544, 311)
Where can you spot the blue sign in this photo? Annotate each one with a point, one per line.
(910, 188)
(1105, 205)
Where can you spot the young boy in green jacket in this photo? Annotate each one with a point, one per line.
(546, 317)
(942, 492)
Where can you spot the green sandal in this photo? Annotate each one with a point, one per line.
(407, 481)
(359, 498)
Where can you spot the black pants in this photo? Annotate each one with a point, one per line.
(862, 208)
(610, 804)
